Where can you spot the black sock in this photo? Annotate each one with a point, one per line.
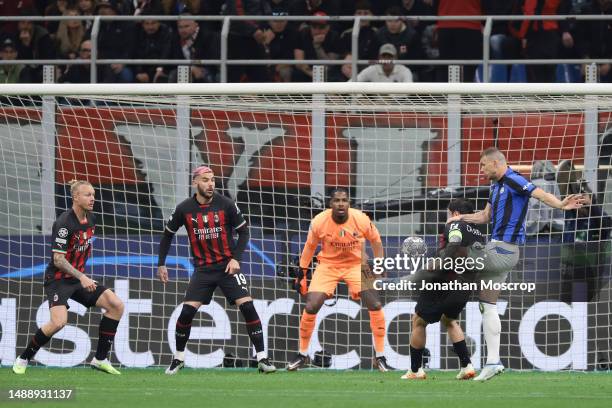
(38, 340)
(106, 336)
(253, 325)
(183, 326)
(461, 349)
(416, 359)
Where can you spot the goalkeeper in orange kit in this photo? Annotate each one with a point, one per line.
(342, 232)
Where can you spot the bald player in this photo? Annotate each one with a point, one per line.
(342, 232)
(508, 200)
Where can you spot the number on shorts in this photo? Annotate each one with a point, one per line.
(241, 279)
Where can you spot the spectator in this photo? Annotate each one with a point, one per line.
(542, 39)
(115, 41)
(280, 7)
(316, 42)
(78, 74)
(586, 250)
(34, 43)
(368, 40)
(141, 7)
(15, 8)
(247, 40)
(459, 40)
(70, 35)
(411, 8)
(429, 42)
(404, 37)
(56, 8)
(178, 7)
(87, 8)
(10, 74)
(503, 44)
(311, 7)
(594, 38)
(283, 39)
(192, 42)
(153, 41)
(386, 70)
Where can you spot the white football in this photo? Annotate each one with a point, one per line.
(414, 247)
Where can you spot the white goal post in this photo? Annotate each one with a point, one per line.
(402, 150)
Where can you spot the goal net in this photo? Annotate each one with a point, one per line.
(402, 150)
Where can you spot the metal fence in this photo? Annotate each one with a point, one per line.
(226, 22)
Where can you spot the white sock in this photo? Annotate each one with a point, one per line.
(492, 331)
(380, 354)
(261, 355)
(180, 355)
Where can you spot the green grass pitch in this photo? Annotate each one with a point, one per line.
(310, 388)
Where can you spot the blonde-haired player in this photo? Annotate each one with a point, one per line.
(342, 232)
(72, 234)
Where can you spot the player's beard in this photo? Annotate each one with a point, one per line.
(204, 193)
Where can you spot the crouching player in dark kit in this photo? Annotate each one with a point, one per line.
(210, 218)
(65, 279)
(460, 240)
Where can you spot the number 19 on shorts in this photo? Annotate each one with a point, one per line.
(241, 279)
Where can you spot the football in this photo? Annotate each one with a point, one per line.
(414, 247)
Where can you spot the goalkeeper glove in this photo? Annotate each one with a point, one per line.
(300, 282)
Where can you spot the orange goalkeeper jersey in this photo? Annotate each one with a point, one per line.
(341, 244)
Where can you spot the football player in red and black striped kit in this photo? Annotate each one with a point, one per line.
(210, 218)
(65, 279)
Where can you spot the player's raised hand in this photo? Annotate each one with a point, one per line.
(88, 284)
(162, 274)
(573, 202)
(233, 267)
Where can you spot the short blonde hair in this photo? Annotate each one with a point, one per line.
(75, 184)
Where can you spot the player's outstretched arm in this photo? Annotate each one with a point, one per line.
(61, 263)
(479, 217)
(571, 202)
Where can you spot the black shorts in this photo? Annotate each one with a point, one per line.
(202, 286)
(59, 291)
(432, 304)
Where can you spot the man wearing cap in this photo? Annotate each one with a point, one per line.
(9, 74)
(210, 219)
(386, 70)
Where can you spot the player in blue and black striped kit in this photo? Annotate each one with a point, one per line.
(506, 211)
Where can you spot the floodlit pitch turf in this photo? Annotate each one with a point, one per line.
(311, 389)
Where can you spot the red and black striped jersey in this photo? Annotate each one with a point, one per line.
(73, 238)
(210, 229)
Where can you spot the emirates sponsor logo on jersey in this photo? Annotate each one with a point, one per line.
(207, 233)
(344, 246)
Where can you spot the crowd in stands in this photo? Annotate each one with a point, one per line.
(400, 37)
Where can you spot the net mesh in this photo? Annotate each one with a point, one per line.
(403, 157)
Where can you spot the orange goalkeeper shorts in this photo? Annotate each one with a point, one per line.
(326, 278)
